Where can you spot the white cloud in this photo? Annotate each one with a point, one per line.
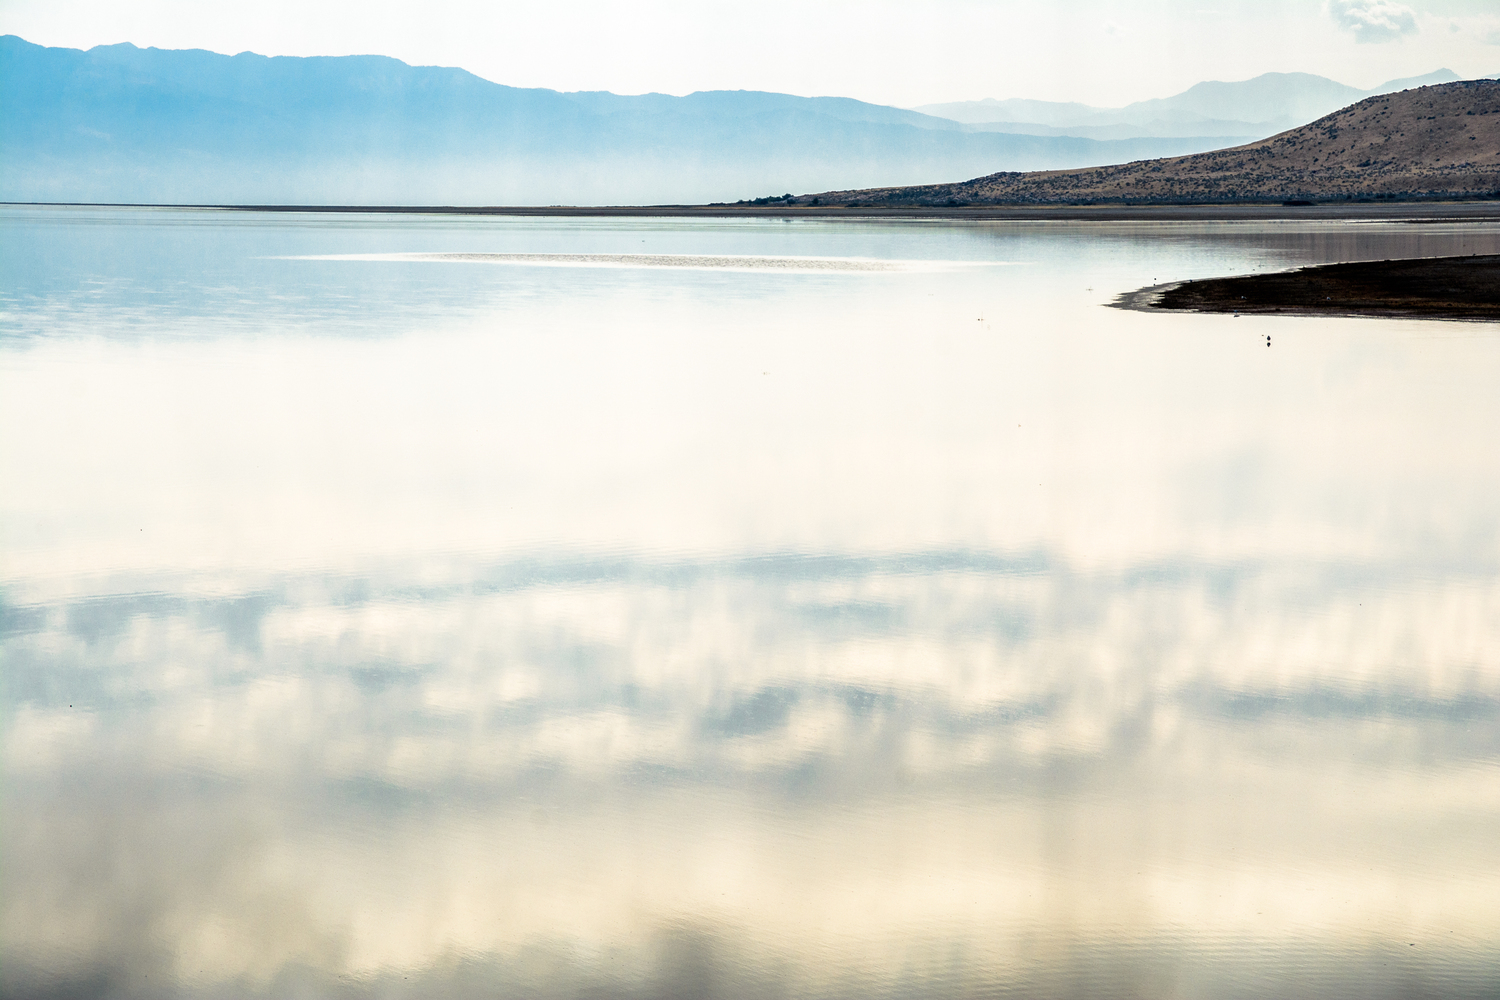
(1373, 20)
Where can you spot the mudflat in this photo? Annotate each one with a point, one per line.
(1466, 288)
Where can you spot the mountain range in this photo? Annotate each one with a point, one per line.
(118, 123)
(1263, 106)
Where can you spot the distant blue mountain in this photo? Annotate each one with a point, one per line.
(122, 124)
(1263, 106)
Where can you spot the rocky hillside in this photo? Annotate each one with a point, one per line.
(1441, 141)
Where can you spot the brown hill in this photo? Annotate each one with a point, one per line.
(1430, 142)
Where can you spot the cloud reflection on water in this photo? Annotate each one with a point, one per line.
(798, 760)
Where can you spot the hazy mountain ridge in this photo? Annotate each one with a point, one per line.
(1229, 132)
(124, 124)
(737, 103)
(1438, 141)
(1258, 107)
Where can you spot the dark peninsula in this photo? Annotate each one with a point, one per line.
(1466, 288)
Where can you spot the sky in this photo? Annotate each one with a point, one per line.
(1102, 52)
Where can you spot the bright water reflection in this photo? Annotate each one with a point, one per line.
(417, 627)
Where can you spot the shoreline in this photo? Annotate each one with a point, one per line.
(1450, 288)
(1412, 211)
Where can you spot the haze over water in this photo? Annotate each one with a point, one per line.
(433, 606)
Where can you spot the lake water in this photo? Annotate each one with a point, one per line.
(473, 607)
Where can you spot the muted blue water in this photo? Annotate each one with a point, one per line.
(912, 625)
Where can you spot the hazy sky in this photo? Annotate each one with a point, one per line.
(1104, 52)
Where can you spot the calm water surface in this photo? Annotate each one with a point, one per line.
(436, 607)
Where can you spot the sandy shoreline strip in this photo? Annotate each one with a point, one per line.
(1350, 211)
(1454, 288)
